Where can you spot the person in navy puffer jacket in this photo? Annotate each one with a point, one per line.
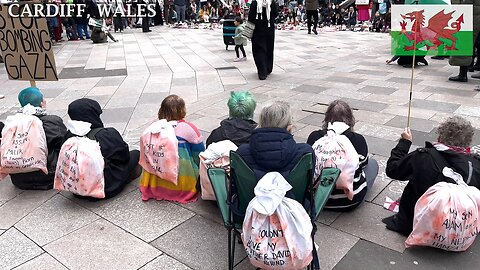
(272, 147)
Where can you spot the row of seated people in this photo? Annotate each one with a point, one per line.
(267, 146)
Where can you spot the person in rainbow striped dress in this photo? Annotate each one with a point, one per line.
(190, 144)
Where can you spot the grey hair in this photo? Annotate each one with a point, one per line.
(277, 115)
(456, 131)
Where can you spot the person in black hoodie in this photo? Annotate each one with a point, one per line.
(422, 169)
(121, 165)
(340, 111)
(54, 132)
(272, 147)
(239, 126)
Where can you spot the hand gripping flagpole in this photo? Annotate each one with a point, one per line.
(413, 71)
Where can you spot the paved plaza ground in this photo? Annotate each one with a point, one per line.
(51, 230)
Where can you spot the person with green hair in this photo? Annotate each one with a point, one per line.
(54, 131)
(239, 125)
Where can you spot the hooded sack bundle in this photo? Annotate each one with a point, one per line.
(277, 231)
(446, 216)
(335, 150)
(23, 147)
(159, 150)
(217, 155)
(80, 165)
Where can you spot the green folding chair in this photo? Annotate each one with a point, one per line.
(243, 180)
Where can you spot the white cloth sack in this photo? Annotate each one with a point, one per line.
(446, 216)
(277, 231)
(336, 150)
(23, 147)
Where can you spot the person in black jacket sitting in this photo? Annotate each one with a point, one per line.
(340, 111)
(121, 165)
(272, 147)
(239, 125)
(54, 132)
(420, 170)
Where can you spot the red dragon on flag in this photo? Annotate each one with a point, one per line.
(437, 32)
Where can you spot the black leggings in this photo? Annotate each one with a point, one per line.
(242, 49)
(312, 14)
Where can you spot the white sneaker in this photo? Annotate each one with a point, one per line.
(2, 96)
(237, 59)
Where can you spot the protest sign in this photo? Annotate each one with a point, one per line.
(26, 46)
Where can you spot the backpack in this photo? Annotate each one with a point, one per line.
(80, 166)
(159, 150)
(335, 150)
(446, 216)
(382, 8)
(277, 231)
(23, 147)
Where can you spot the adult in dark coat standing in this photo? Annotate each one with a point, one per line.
(262, 14)
(146, 19)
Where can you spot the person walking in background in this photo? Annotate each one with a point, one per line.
(312, 15)
(263, 13)
(240, 40)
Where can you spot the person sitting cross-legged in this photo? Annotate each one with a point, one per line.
(54, 131)
(421, 171)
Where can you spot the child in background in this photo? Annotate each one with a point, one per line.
(240, 40)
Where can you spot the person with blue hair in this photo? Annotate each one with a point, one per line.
(239, 125)
(54, 130)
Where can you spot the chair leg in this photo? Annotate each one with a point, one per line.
(230, 260)
(233, 247)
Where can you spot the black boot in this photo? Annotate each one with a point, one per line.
(461, 77)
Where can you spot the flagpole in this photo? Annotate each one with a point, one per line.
(413, 72)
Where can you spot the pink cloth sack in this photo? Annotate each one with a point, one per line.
(336, 150)
(207, 189)
(159, 150)
(446, 217)
(276, 232)
(80, 168)
(24, 146)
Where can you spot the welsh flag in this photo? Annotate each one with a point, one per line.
(432, 29)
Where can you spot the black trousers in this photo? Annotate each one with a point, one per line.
(312, 14)
(240, 47)
(146, 24)
(117, 23)
(262, 50)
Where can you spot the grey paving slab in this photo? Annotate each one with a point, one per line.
(310, 88)
(366, 223)
(101, 245)
(344, 80)
(206, 209)
(51, 93)
(435, 105)
(314, 119)
(331, 252)
(42, 262)
(55, 218)
(8, 190)
(80, 72)
(366, 255)
(17, 208)
(152, 98)
(416, 124)
(16, 249)
(115, 115)
(211, 237)
(165, 262)
(378, 90)
(146, 220)
(379, 146)
(111, 81)
(365, 105)
(419, 137)
(328, 217)
(450, 91)
(394, 190)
